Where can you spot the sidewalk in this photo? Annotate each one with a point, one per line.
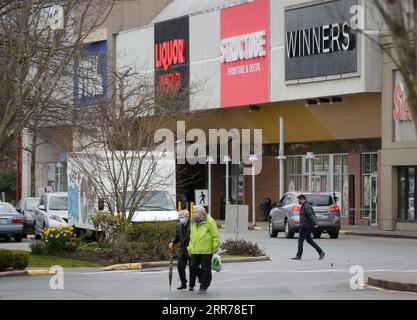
(404, 281)
(363, 231)
(260, 225)
(373, 231)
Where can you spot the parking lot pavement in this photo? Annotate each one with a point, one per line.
(11, 245)
(280, 278)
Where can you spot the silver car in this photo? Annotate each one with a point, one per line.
(11, 222)
(286, 216)
(27, 207)
(52, 212)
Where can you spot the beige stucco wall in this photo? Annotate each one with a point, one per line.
(393, 154)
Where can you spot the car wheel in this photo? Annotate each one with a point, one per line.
(273, 233)
(18, 238)
(317, 235)
(289, 234)
(334, 235)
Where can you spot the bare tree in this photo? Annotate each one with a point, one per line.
(115, 147)
(39, 40)
(400, 17)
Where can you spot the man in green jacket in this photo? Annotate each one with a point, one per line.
(204, 241)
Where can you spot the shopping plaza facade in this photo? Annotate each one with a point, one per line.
(340, 96)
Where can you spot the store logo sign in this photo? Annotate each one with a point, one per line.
(243, 47)
(169, 53)
(325, 39)
(401, 110)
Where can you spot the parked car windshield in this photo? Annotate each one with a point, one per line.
(58, 203)
(31, 204)
(7, 208)
(152, 201)
(320, 200)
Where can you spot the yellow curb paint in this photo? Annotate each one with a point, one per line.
(39, 272)
(125, 266)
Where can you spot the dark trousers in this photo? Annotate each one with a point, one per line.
(183, 258)
(201, 267)
(305, 234)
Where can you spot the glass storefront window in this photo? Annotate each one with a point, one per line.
(401, 194)
(407, 193)
(369, 186)
(329, 175)
(411, 193)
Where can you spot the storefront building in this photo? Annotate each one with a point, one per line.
(51, 154)
(302, 60)
(398, 157)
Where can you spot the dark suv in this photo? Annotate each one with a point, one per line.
(286, 216)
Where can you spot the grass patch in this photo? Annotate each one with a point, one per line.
(48, 261)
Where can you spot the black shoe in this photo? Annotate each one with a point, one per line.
(202, 291)
(322, 255)
(182, 287)
(191, 289)
(296, 258)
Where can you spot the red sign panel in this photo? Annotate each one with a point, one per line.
(401, 110)
(244, 53)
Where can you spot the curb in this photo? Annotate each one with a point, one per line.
(7, 274)
(377, 235)
(392, 285)
(157, 264)
(251, 228)
(17, 273)
(124, 266)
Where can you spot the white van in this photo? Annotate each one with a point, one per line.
(83, 203)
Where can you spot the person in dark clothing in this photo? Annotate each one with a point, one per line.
(182, 236)
(308, 222)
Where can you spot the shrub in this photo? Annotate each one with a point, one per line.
(38, 247)
(21, 260)
(111, 228)
(142, 251)
(6, 259)
(71, 246)
(242, 248)
(13, 260)
(56, 239)
(153, 231)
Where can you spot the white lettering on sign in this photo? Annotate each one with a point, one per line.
(243, 47)
(325, 39)
(249, 68)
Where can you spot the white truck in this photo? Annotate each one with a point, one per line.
(84, 202)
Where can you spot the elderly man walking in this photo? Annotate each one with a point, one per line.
(182, 236)
(204, 241)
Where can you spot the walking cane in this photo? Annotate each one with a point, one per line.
(171, 262)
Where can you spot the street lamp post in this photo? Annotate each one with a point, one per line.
(226, 160)
(281, 157)
(209, 162)
(310, 157)
(252, 159)
(59, 166)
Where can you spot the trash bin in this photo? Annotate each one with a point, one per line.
(265, 207)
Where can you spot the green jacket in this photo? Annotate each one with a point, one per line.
(204, 237)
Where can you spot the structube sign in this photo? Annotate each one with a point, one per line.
(404, 125)
(320, 41)
(172, 57)
(244, 54)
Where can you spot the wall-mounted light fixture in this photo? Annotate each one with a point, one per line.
(254, 108)
(323, 100)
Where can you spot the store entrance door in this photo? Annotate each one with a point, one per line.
(320, 182)
(373, 200)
